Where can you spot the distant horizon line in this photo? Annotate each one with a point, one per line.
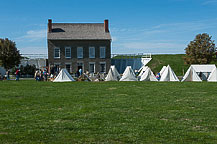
(111, 54)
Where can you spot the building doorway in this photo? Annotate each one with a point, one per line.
(80, 68)
(80, 65)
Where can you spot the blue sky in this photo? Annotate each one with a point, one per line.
(136, 26)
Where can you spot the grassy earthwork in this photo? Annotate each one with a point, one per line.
(108, 112)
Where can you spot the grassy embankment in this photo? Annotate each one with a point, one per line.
(176, 62)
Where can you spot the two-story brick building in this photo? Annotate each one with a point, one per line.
(79, 45)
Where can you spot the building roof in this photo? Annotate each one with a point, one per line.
(78, 31)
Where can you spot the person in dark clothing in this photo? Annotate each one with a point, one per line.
(77, 73)
(200, 75)
(8, 75)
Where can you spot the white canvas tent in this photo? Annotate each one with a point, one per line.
(128, 75)
(113, 74)
(213, 76)
(162, 70)
(148, 76)
(204, 70)
(191, 75)
(142, 70)
(63, 76)
(169, 75)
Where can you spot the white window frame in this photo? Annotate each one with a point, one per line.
(78, 55)
(100, 52)
(55, 51)
(94, 67)
(70, 52)
(94, 52)
(100, 66)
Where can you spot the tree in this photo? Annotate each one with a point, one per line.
(200, 50)
(28, 69)
(9, 55)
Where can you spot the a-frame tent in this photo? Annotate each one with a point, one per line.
(162, 70)
(203, 70)
(191, 75)
(63, 76)
(213, 76)
(169, 75)
(148, 76)
(113, 74)
(128, 75)
(142, 70)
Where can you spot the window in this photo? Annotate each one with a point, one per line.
(91, 52)
(67, 52)
(56, 52)
(79, 52)
(102, 52)
(102, 67)
(92, 67)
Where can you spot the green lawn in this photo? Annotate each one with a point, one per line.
(108, 112)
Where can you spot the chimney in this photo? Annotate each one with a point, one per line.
(106, 25)
(49, 25)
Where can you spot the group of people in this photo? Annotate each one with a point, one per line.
(41, 75)
(7, 75)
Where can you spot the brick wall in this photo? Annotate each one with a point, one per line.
(74, 60)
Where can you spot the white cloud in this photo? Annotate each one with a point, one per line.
(186, 26)
(162, 38)
(207, 2)
(33, 50)
(149, 47)
(33, 35)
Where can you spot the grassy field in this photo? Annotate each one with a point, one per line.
(108, 112)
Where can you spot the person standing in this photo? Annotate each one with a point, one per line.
(8, 75)
(87, 73)
(80, 72)
(41, 76)
(37, 75)
(17, 75)
(77, 73)
(45, 74)
(158, 76)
